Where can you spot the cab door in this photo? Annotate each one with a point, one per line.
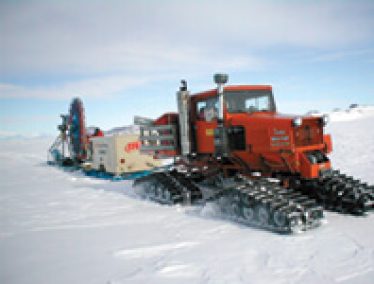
(206, 122)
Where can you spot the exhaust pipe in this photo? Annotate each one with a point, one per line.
(183, 99)
(220, 79)
(220, 135)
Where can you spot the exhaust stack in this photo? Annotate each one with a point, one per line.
(220, 135)
(220, 79)
(183, 98)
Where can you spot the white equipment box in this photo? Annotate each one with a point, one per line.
(119, 154)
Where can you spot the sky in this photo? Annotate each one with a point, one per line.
(126, 58)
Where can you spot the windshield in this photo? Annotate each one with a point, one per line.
(249, 101)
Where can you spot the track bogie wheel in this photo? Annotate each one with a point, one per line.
(263, 214)
(280, 218)
(248, 213)
(167, 195)
(235, 210)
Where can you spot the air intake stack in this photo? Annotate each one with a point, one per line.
(220, 135)
(220, 80)
(183, 99)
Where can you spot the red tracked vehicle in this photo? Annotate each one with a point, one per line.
(231, 146)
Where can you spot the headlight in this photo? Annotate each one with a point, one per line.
(325, 119)
(297, 121)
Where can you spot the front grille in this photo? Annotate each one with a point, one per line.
(308, 134)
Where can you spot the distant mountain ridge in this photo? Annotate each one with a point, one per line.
(354, 111)
(127, 129)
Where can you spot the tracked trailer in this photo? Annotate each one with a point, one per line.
(230, 146)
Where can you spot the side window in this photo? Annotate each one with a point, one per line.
(207, 110)
(263, 103)
(200, 110)
(250, 105)
(257, 104)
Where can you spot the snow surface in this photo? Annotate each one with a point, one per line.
(62, 227)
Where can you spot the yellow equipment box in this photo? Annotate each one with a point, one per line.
(119, 154)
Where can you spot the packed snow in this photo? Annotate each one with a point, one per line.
(62, 227)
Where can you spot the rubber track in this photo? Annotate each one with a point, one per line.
(258, 203)
(169, 187)
(267, 205)
(341, 193)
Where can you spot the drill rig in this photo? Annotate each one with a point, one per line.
(114, 157)
(230, 146)
(70, 146)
